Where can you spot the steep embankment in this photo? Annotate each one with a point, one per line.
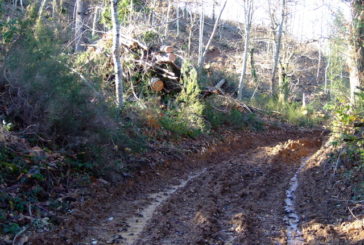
(233, 193)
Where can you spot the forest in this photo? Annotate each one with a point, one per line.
(188, 122)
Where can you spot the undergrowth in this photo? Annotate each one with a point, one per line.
(348, 131)
(292, 112)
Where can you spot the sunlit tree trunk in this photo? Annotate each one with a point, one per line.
(41, 8)
(190, 34)
(326, 91)
(201, 33)
(277, 49)
(213, 10)
(96, 13)
(248, 16)
(356, 56)
(116, 53)
(282, 84)
(177, 16)
(54, 8)
(167, 18)
(319, 63)
(354, 75)
(79, 25)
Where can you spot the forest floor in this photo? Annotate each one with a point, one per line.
(234, 193)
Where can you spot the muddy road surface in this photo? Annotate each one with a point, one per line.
(233, 196)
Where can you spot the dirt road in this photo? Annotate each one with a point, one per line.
(232, 196)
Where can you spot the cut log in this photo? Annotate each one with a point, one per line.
(167, 49)
(156, 84)
(166, 58)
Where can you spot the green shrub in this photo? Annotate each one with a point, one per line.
(62, 108)
(191, 108)
(178, 126)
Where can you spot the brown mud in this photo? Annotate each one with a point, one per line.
(232, 193)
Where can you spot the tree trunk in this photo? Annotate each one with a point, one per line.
(96, 11)
(192, 24)
(326, 75)
(41, 8)
(167, 19)
(118, 70)
(177, 21)
(213, 10)
(248, 9)
(54, 8)
(356, 59)
(201, 29)
(282, 84)
(318, 63)
(254, 73)
(354, 74)
(202, 58)
(277, 49)
(79, 25)
(252, 67)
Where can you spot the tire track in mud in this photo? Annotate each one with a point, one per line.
(240, 201)
(137, 224)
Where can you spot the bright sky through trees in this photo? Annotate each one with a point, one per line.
(308, 18)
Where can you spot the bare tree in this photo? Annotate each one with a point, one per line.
(278, 40)
(118, 69)
(248, 18)
(201, 59)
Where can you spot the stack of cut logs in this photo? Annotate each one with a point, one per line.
(160, 63)
(165, 56)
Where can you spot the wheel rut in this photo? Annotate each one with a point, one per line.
(233, 194)
(238, 201)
